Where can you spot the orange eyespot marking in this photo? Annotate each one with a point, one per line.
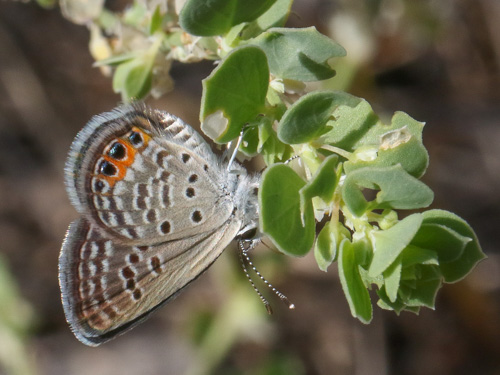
(121, 152)
(137, 138)
(111, 170)
(117, 157)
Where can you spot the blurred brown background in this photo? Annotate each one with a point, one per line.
(437, 60)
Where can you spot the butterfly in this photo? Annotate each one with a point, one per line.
(157, 207)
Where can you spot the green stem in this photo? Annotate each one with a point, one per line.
(337, 151)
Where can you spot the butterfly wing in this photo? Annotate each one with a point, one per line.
(146, 177)
(155, 213)
(108, 286)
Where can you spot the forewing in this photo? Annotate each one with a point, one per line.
(108, 287)
(146, 177)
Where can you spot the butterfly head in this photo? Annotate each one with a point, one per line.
(247, 205)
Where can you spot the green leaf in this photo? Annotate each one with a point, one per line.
(273, 150)
(275, 16)
(325, 248)
(398, 189)
(397, 143)
(350, 121)
(456, 270)
(427, 286)
(385, 303)
(156, 21)
(233, 36)
(324, 182)
(387, 134)
(281, 217)
(262, 139)
(448, 244)
(413, 255)
(306, 120)
(392, 276)
(250, 141)
(299, 54)
(234, 93)
(327, 243)
(135, 15)
(354, 289)
(133, 78)
(116, 60)
(216, 17)
(388, 244)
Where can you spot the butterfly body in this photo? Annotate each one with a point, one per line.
(157, 208)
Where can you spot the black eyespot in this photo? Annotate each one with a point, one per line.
(133, 258)
(255, 191)
(107, 168)
(137, 294)
(130, 284)
(117, 151)
(98, 185)
(193, 178)
(165, 227)
(185, 158)
(127, 272)
(190, 192)
(135, 139)
(196, 216)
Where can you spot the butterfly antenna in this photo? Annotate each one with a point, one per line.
(235, 151)
(244, 257)
(292, 158)
(262, 298)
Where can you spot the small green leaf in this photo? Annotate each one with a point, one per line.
(156, 21)
(325, 248)
(448, 244)
(385, 303)
(327, 243)
(307, 118)
(457, 269)
(262, 139)
(411, 155)
(398, 189)
(299, 54)
(116, 60)
(233, 36)
(234, 93)
(392, 276)
(275, 16)
(350, 121)
(133, 78)
(427, 286)
(397, 143)
(388, 244)
(273, 150)
(354, 289)
(216, 17)
(281, 217)
(413, 255)
(381, 133)
(135, 15)
(364, 251)
(324, 182)
(250, 141)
